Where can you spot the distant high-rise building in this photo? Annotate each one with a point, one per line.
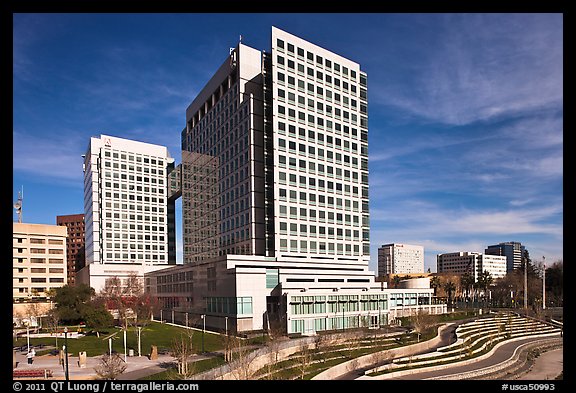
(513, 251)
(126, 209)
(398, 258)
(38, 260)
(74, 244)
(473, 263)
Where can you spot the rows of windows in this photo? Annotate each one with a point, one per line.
(318, 199)
(133, 157)
(320, 230)
(241, 305)
(327, 64)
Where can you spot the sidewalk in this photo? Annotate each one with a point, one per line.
(137, 367)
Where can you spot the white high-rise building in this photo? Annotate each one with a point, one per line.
(398, 258)
(274, 185)
(473, 263)
(126, 209)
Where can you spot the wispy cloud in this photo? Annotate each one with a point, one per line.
(56, 157)
(484, 66)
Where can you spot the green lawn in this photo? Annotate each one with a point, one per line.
(155, 333)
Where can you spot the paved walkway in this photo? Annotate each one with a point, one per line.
(137, 366)
(547, 366)
(552, 363)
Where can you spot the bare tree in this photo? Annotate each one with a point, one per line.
(33, 310)
(241, 359)
(110, 367)
(182, 349)
(321, 342)
(422, 321)
(53, 322)
(304, 358)
(381, 357)
(123, 297)
(353, 343)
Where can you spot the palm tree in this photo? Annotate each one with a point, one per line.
(484, 281)
(449, 287)
(467, 283)
(435, 283)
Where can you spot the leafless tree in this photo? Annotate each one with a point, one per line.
(241, 359)
(422, 321)
(321, 342)
(110, 367)
(33, 310)
(182, 349)
(123, 296)
(304, 359)
(353, 342)
(53, 322)
(381, 357)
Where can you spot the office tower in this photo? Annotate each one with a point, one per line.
(126, 209)
(473, 263)
(38, 260)
(75, 243)
(397, 258)
(274, 185)
(513, 251)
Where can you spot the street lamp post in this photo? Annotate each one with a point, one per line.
(125, 359)
(226, 320)
(203, 329)
(544, 283)
(139, 341)
(28, 336)
(66, 351)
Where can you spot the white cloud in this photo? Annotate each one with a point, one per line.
(483, 66)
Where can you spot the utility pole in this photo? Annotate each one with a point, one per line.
(544, 283)
(525, 283)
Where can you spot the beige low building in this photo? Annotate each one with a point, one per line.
(38, 260)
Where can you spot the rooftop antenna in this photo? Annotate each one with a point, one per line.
(18, 205)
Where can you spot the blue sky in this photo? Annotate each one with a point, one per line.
(465, 111)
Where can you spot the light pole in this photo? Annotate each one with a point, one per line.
(125, 360)
(544, 283)
(28, 336)
(66, 351)
(139, 341)
(226, 320)
(203, 329)
(525, 283)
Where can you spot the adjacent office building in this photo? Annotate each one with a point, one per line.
(398, 258)
(126, 210)
(274, 186)
(473, 263)
(38, 260)
(74, 243)
(513, 251)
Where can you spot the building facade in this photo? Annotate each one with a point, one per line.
(38, 260)
(126, 209)
(274, 186)
(75, 243)
(513, 251)
(398, 258)
(473, 263)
